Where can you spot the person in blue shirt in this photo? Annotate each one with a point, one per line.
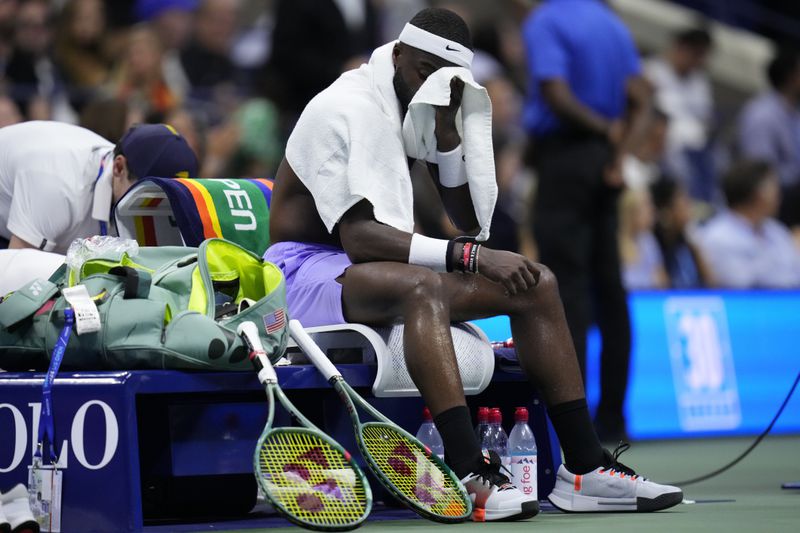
(587, 104)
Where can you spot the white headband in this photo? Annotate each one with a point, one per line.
(436, 45)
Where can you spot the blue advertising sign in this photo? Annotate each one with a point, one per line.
(706, 393)
(93, 453)
(704, 362)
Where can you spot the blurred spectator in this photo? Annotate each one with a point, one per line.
(686, 267)
(395, 14)
(172, 22)
(513, 182)
(139, 77)
(335, 34)
(80, 45)
(747, 248)
(642, 262)
(505, 233)
(191, 128)
(246, 145)
(769, 129)
(30, 70)
(9, 112)
(206, 60)
(584, 78)
(251, 48)
(120, 14)
(642, 167)
(171, 19)
(506, 108)
(683, 92)
(499, 47)
(260, 148)
(8, 12)
(109, 118)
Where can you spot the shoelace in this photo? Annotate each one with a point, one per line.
(491, 473)
(614, 464)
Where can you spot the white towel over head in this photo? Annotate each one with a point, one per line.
(350, 144)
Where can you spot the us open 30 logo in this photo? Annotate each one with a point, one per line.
(702, 364)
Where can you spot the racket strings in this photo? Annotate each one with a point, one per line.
(313, 481)
(412, 472)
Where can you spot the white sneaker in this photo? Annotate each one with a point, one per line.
(17, 511)
(614, 487)
(494, 497)
(5, 526)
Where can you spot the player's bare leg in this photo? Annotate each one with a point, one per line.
(384, 293)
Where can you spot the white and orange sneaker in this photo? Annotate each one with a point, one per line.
(614, 487)
(494, 497)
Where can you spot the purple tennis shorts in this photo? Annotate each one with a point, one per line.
(313, 295)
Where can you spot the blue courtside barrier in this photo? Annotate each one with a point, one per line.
(156, 446)
(716, 363)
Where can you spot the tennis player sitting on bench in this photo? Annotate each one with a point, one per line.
(342, 264)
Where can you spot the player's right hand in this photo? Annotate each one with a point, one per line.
(515, 272)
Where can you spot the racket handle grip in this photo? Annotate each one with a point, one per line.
(312, 351)
(249, 334)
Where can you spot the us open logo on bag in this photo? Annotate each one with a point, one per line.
(702, 364)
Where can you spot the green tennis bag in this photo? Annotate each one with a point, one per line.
(167, 307)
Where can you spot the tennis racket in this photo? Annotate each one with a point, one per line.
(400, 462)
(306, 476)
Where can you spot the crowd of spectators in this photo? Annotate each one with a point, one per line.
(233, 75)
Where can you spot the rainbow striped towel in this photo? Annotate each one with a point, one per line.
(165, 211)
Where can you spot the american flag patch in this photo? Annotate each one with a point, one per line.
(275, 321)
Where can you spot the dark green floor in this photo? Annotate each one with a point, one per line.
(747, 498)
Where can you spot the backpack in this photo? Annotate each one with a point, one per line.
(166, 307)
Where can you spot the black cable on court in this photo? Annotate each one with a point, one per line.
(752, 447)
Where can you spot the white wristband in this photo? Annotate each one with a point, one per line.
(428, 252)
(452, 168)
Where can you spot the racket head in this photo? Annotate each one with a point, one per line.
(311, 480)
(413, 474)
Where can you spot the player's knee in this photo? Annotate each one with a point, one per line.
(547, 280)
(425, 284)
(546, 290)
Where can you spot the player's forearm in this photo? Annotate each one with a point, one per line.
(457, 200)
(16, 243)
(458, 204)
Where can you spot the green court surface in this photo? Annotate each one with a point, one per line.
(746, 498)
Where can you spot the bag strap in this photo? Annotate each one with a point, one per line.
(137, 282)
(58, 277)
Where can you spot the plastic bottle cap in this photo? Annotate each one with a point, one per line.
(426, 415)
(483, 415)
(495, 417)
(521, 414)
